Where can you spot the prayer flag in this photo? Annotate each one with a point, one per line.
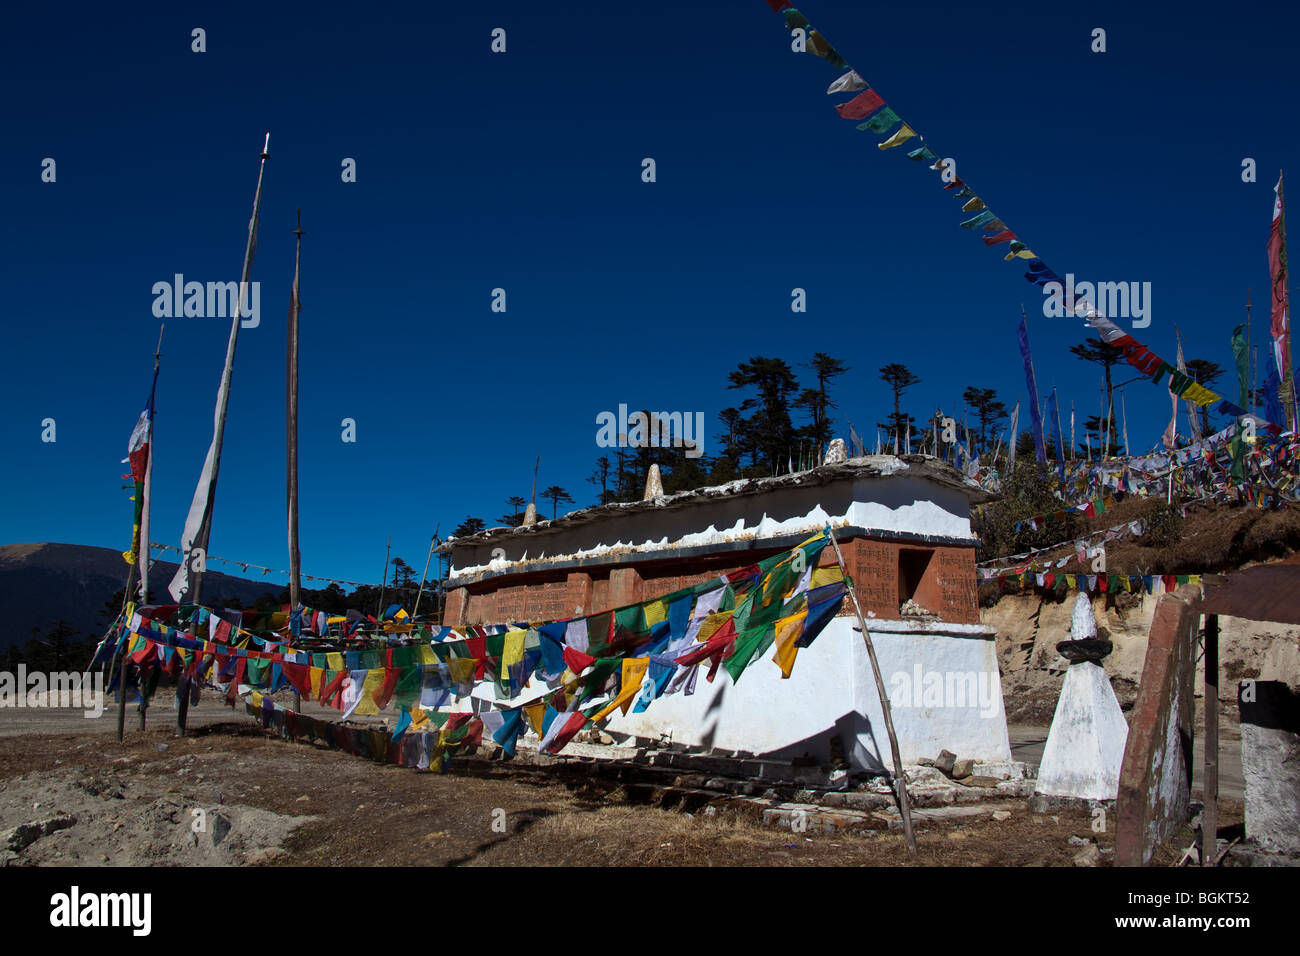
(861, 106)
(899, 138)
(850, 82)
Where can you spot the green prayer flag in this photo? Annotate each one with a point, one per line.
(751, 644)
(1242, 356)
(883, 120)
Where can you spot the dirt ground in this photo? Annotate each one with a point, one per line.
(85, 799)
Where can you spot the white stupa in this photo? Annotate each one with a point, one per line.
(1085, 746)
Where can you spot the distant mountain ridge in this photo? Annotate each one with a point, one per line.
(43, 582)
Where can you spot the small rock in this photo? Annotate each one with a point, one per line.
(160, 747)
(1001, 814)
(1079, 841)
(23, 836)
(945, 761)
(1088, 856)
(303, 799)
(963, 768)
(958, 835)
(220, 828)
(55, 824)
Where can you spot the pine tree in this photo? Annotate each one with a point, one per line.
(988, 411)
(769, 431)
(1107, 356)
(515, 516)
(468, 527)
(600, 478)
(899, 378)
(557, 494)
(817, 401)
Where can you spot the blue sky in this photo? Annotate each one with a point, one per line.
(522, 171)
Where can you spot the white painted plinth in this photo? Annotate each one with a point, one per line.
(1085, 746)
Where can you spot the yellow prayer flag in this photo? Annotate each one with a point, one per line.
(419, 717)
(974, 205)
(535, 712)
(710, 625)
(317, 677)
(821, 576)
(633, 670)
(904, 133)
(374, 682)
(427, 657)
(462, 669)
(1199, 395)
(1022, 254)
(334, 662)
(513, 650)
(655, 612)
(788, 630)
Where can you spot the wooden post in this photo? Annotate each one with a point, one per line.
(420, 593)
(182, 703)
(900, 781)
(121, 680)
(1210, 813)
(121, 696)
(383, 588)
(291, 427)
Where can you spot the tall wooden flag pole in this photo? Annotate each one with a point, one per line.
(899, 780)
(383, 586)
(141, 444)
(1280, 315)
(291, 427)
(187, 585)
(425, 576)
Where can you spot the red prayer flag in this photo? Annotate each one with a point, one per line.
(861, 106)
(577, 661)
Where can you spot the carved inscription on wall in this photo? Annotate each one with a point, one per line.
(955, 574)
(874, 568)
